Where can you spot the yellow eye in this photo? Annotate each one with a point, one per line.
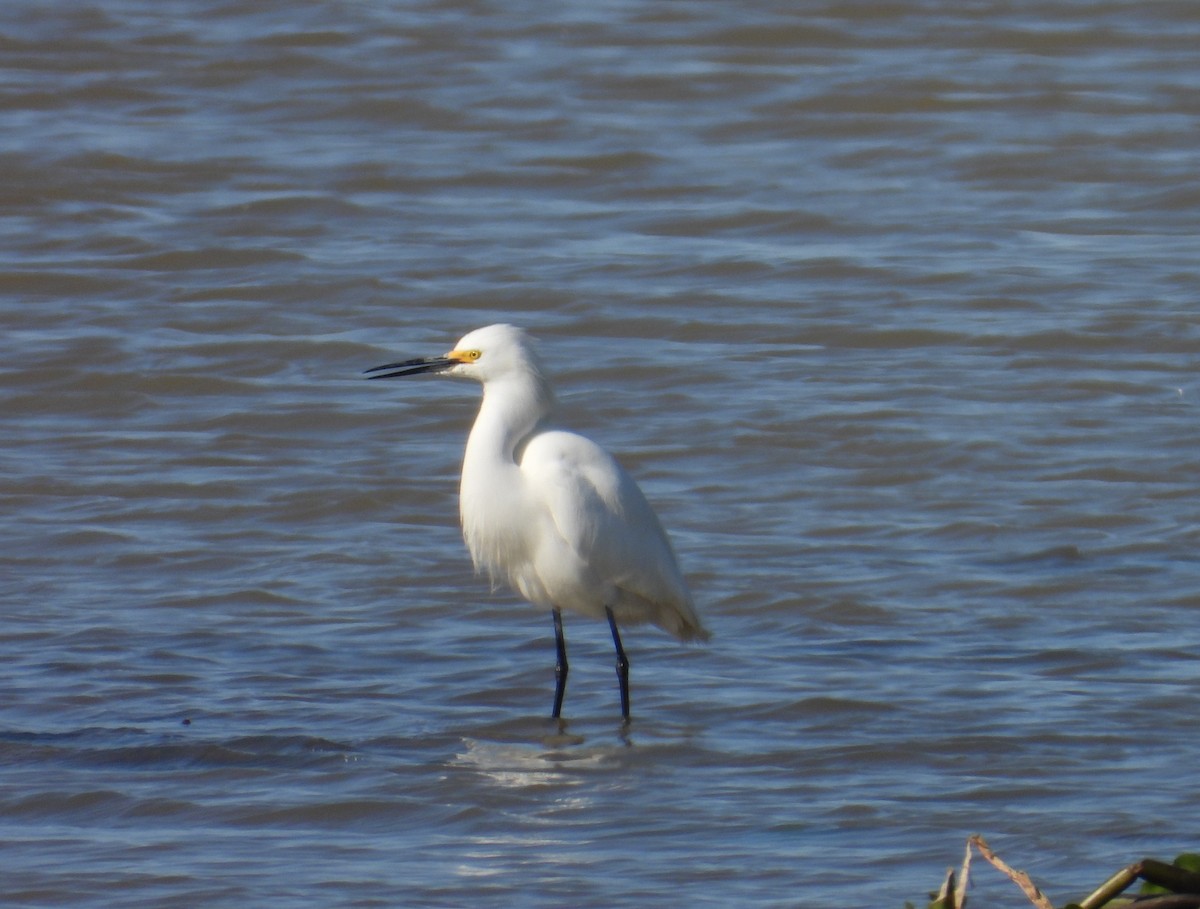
(472, 355)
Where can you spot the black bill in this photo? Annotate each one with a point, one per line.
(409, 367)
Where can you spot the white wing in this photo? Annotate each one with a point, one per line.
(606, 530)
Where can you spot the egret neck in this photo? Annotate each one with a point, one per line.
(490, 492)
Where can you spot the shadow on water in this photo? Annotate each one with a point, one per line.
(502, 750)
(134, 748)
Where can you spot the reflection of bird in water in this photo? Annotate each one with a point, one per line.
(552, 512)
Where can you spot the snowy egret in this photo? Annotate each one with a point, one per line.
(551, 512)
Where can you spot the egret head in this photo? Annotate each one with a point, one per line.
(485, 354)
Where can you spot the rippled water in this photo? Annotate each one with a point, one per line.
(891, 309)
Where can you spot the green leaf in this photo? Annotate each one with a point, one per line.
(1189, 861)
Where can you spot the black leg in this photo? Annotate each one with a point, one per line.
(622, 666)
(560, 663)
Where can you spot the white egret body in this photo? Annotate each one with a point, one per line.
(551, 512)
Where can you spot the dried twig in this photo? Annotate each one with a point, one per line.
(960, 892)
(1020, 878)
(945, 895)
(1111, 887)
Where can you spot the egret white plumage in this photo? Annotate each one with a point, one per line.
(550, 511)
